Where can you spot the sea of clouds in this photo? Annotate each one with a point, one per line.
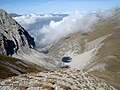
(49, 28)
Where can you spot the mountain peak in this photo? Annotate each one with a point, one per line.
(13, 35)
(2, 10)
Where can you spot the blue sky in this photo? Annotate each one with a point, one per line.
(56, 6)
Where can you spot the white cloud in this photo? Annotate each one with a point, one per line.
(76, 21)
(49, 28)
(28, 19)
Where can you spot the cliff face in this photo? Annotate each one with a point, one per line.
(13, 36)
(15, 41)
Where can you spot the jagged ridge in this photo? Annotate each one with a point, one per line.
(12, 35)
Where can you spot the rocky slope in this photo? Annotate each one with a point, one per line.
(69, 79)
(10, 66)
(97, 52)
(93, 54)
(107, 62)
(16, 41)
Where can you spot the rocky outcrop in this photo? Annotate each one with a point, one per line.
(13, 36)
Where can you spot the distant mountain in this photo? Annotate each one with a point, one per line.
(14, 15)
